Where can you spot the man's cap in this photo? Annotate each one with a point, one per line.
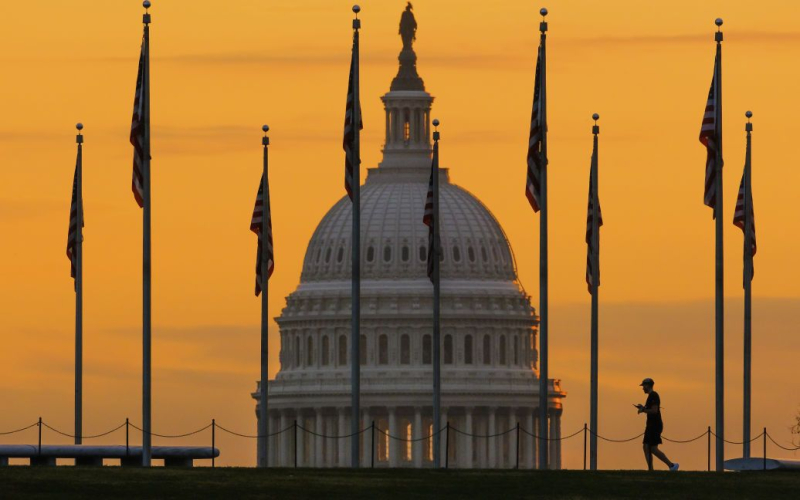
(647, 381)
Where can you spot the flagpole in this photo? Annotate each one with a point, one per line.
(79, 290)
(146, 257)
(437, 383)
(355, 322)
(748, 275)
(719, 254)
(263, 421)
(543, 278)
(595, 292)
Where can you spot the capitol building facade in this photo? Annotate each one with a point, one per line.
(489, 357)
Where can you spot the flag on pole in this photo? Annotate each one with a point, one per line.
(709, 134)
(255, 226)
(589, 233)
(72, 236)
(137, 133)
(427, 218)
(740, 220)
(533, 185)
(350, 161)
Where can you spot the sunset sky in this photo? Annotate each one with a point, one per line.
(222, 69)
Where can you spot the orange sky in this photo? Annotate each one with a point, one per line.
(221, 69)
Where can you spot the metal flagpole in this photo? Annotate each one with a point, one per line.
(719, 253)
(355, 332)
(595, 292)
(437, 383)
(263, 421)
(543, 316)
(146, 258)
(79, 290)
(748, 274)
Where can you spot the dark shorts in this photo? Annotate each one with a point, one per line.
(652, 435)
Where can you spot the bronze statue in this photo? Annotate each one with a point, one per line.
(408, 27)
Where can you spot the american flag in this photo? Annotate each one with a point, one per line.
(589, 220)
(255, 226)
(350, 159)
(533, 185)
(137, 133)
(72, 236)
(427, 218)
(708, 137)
(739, 220)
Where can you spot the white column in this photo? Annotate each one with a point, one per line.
(366, 440)
(272, 443)
(330, 444)
(343, 443)
(443, 442)
(283, 461)
(394, 444)
(468, 439)
(512, 438)
(552, 464)
(530, 444)
(492, 440)
(301, 440)
(418, 433)
(319, 458)
(558, 436)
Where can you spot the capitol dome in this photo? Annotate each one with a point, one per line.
(488, 326)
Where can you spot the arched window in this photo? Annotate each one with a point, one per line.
(383, 350)
(468, 350)
(471, 254)
(326, 350)
(387, 253)
(340, 255)
(362, 348)
(448, 349)
(370, 253)
(328, 255)
(484, 255)
(297, 352)
(342, 350)
(423, 253)
(310, 352)
(456, 254)
(516, 349)
(502, 349)
(426, 349)
(405, 254)
(405, 350)
(319, 254)
(487, 350)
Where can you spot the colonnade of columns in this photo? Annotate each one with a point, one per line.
(479, 437)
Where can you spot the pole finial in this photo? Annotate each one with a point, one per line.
(595, 127)
(748, 127)
(265, 128)
(435, 129)
(265, 139)
(718, 34)
(79, 125)
(543, 24)
(356, 21)
(748, 114)
(595, 117)
(718, 22)
(79, 137)
(146, 18)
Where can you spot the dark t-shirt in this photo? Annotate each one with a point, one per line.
(654, 401)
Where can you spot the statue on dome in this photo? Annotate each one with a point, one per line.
(408, 27)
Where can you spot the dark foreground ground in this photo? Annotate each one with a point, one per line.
(235, 483)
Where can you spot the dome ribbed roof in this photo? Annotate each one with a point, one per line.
(394, 239)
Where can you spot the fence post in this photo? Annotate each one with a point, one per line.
(372, 447)
(517, 467)
(295, 444)
(709, 448)
(213, 441)
(127, 437)
(40, 435)
(447, 446)
(585, 431)
(765, 448)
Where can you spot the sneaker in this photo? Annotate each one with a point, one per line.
(675, 466)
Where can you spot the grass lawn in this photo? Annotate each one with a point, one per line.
(235, 483)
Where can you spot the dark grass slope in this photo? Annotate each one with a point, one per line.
(235, 483)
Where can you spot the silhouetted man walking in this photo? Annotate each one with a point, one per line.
(654, 427)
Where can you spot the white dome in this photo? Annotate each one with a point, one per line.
(394, 239)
